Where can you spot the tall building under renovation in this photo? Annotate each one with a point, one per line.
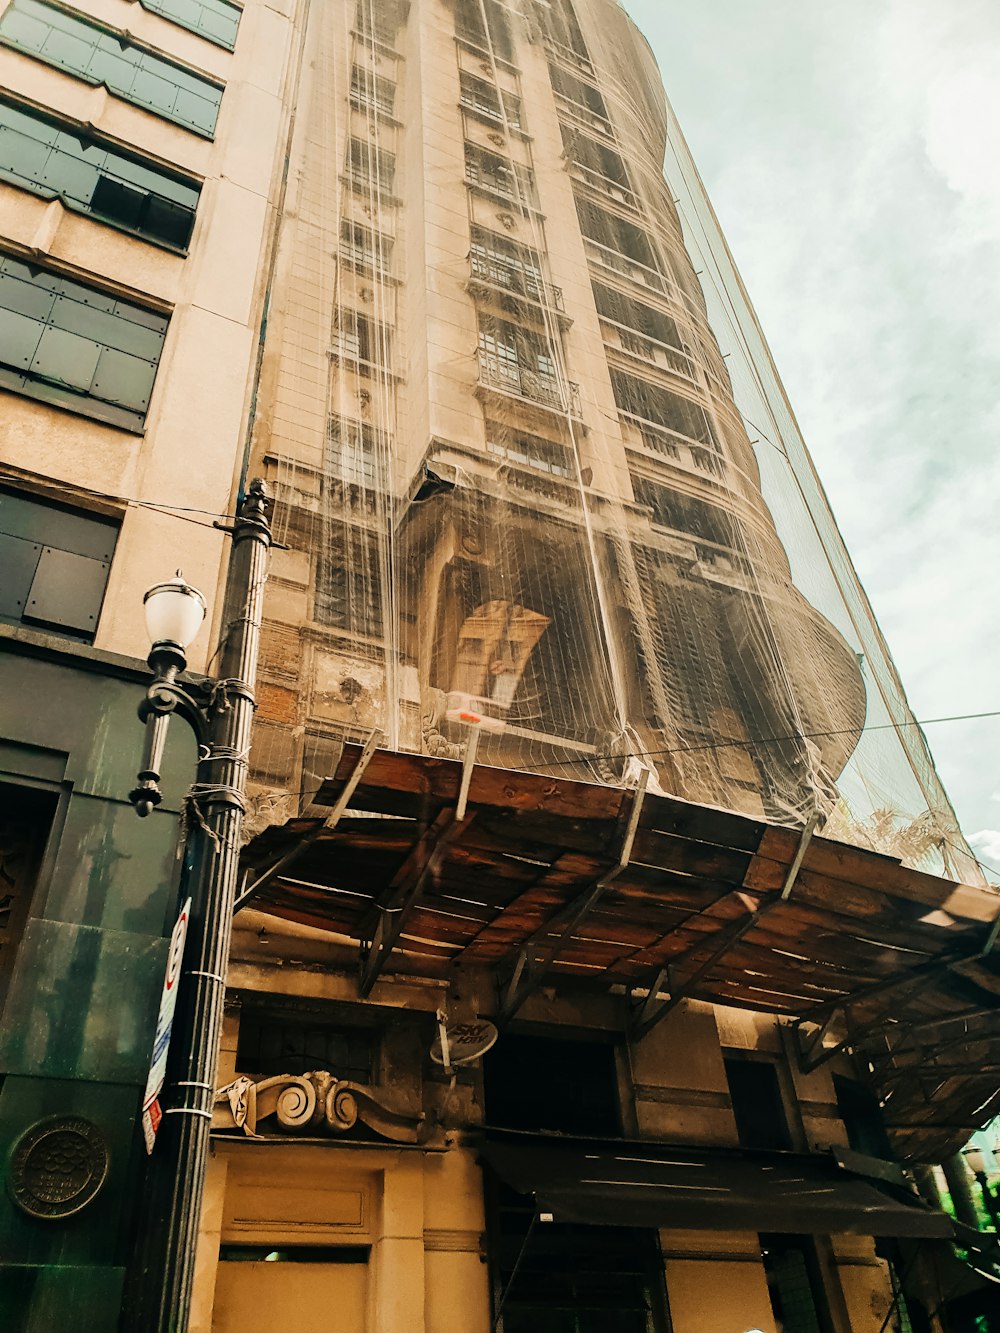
(608, 958)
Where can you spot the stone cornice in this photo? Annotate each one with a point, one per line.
(307, 1104)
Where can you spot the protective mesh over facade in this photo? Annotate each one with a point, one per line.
(539, 484)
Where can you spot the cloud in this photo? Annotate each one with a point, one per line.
(851, 154)
(986, 843)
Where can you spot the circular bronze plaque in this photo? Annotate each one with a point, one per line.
(57, 1166)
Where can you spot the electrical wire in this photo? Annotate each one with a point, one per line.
(76, 490)
(782, 740)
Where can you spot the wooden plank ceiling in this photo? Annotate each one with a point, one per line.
(861, 952)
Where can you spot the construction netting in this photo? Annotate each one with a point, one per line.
(540, 487)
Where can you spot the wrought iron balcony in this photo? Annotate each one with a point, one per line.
(628, 267)
(512, 280)
(621, 194)
(520, 382)
(650, 350)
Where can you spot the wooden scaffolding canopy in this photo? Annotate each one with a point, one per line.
(423, 863)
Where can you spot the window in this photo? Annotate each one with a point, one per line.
(355, 452)
(379, 21)
(659, 443)
(271, 1044)
(757, 1103)
(862, 1116)
(573, 1278)
(105, 55)
(791, 1266)
(56, 562)
(528, 450)
(685, 513)
(483, 24)
(370, 168)
(583, 96)
(89, 176)
(632, 314)
(570, 1278)
(503, 263)
(362, 339)
(565, 29)
(508, 180)
(546, 1083)
(647, 401)
(794, 1284)
(483, 99)
(349, 581)
(364, 248)
(215, 20)
(371, 92)
(595, 158)
(76, 347)
(519, 361)
(621, 239)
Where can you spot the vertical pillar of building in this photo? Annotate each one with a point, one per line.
(455, 1272)
(397, 1286)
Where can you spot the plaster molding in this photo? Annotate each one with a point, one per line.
(653, 1092)
(303, 1104)
(450, 1240)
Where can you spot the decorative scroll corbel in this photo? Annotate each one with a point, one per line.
(313, 1103)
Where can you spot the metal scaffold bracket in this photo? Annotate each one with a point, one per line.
(281, 864)
(654, 1005)
(538, 951)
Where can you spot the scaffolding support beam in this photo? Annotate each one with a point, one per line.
(279, 866)
(654, 1007)
(393, 911)
(536, 954)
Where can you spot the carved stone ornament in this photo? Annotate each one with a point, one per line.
(497, 139)
(507, 221)
(307, 1103)
(433, 706)
(57, 1167)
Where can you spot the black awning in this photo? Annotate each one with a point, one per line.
(637, 1185)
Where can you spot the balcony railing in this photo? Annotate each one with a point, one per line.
(584, 114)
(368, 183)
(630, 268)
(515, 281)
(502, 185)
(368, 102)
(541, 390)
(659, 441)
(568, 55)
(621, 194)
(365, 260)
(506, 116)
(651, 350)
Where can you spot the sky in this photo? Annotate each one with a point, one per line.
(852, 153)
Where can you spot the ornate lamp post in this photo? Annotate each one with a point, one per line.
(976, 1161)
(220, 712)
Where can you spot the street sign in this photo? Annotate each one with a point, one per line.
(151, 1111)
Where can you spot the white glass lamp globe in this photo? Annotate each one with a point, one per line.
(174, 611)
(976, 1160)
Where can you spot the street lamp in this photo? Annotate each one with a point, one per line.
(220, 712)
(174, 614)
(975, 1159)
